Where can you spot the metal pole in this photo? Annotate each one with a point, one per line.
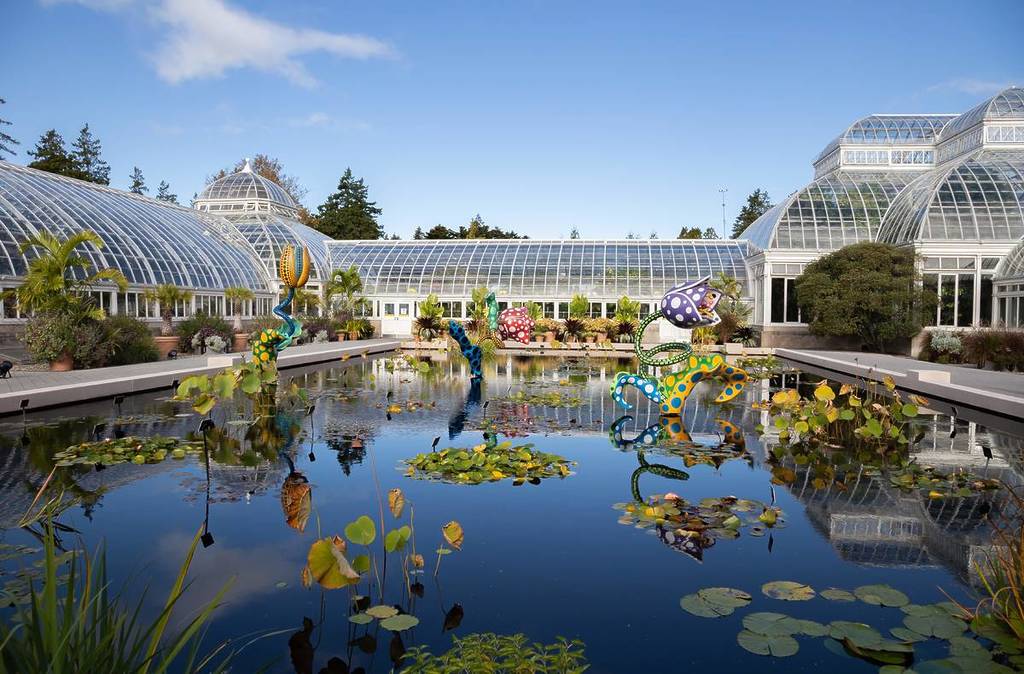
(722, 191)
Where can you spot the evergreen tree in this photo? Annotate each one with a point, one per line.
(709, 233)
(51, 155)
(478, 230)
(163, 193)
(574, 233)
(348, 213)
(418, 234)
(6, 141)
(440, 232)
(689, 233)
(138, 185)
(757, 203)
(86, 157)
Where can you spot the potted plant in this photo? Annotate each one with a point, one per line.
(429, 324)
(167, 296)
(235, 297)
(601, 327)
(352, 328)
(574, 329)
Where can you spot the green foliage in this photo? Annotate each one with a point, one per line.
(734, 312)
(627, 309)
(139, 450)
(697, 233)
(205, 392)
(867, 290)
(1001, 348)
(534, 310)
(50, 335)
(475, 230)
(75, 623)
(203, 325)
(51, 155)
(6, 141)
(86, 157)
(59, 278)
(342, 293)
(167, 295)
(488, 463)
(163, 193)
(138, 181)
(579, 306)
(1002, 574)
(131, 341)
(574, 328)
(499, 654)
(348, 213)
(758, 202)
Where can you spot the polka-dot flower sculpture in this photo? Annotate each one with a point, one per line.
(690, 305)
(516, 324)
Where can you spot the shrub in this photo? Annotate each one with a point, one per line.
(544, 325)
(579, 306)
(204, 325)
(601, 325)
(50, 335)
(132, 341)
(945, 346)
(574, 328)
(868, 290)
(314, 325)
(627, 309)
(1004, 349)
(625, 328)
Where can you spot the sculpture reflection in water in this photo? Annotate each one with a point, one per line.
(457, 421)
(688, 306)
(683, 526)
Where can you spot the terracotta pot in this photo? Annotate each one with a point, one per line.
(166, 344)
(241, 342)
(341, 336)
(539, 339)
(590, 339)
(602, 337)
(65, 363)
(353, 336)
(549, 336)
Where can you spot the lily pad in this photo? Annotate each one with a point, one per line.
(724, 597)
(908, 636)
(835, 594)
(778, 645)
(881, 595)
(770, 624)
(362, 531)
(382, 611)
(696, 605)
(399, 623)
(360, 618)
(787, 590)
(943, 626)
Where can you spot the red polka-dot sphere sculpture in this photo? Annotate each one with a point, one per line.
(516, 324)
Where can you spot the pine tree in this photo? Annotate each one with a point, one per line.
(757, 203)
(574, 233)
(689, 233)
(138, 185)
(6, 141)
(86, 157)
(51, 155)
(710, 233)
(163, 193)
(348, 213)
(418, 234)
(440, 232)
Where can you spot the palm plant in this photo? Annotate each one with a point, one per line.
(59, 278)
(579, 306)
(304, 300)
(236, 295)
(167, 296)
(627, 310)
(343, 291)
(735, 313)
(429, 320)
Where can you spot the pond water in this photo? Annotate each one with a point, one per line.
(546, 560)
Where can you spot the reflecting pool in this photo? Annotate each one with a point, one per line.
(565, 554)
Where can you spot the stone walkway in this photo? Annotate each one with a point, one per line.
(46, 389)
(999, 392)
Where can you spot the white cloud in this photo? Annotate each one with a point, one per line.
(313, 119)
(207, 38)
(972, 86)
(322, 120)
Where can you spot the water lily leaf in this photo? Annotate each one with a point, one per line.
(360, 618)
(453, 534)
(835, 594)
(778, 645)
(328, 566)
(787, 590)
(362, 531)
(695, 605)
(400, 622)
(771, 624)
(361, 563)
(824, 393)
(881, 595)
(397, 538)
(909, 636)
(396, 502)
(812, 628)
(381, 611)
(965, 646)
(725, 597)
(943, 626)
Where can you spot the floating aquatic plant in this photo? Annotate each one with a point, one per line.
(489, 462)
(543, 399)
(127, 449)
(500, 653)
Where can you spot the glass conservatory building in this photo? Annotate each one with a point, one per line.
(151, 242)
(949, 186)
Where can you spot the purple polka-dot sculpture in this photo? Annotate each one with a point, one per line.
(691, 305)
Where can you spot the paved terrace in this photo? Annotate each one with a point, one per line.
(996, 392)
(47, 389)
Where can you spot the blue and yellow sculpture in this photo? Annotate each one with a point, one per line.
(294, 269)
(691, 305)
(514, 323)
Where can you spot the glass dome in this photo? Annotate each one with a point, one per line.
(1012, 266)
(270, 232)
(890, 130)
(1007, 104)
(150, 241)
(979, 197)
(833, 211)
(244, 186)
(641, 269)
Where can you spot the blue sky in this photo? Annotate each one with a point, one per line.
(612, 117)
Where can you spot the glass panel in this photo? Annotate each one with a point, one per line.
(792, 308)
(947, 300)
(931, 284)
(965, 300)
(985, 310)
(778, 300)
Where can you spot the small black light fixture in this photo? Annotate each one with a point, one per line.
(206, 425)
(309, 410)
(173, 355)
(118, 401)
(207, 539)
(5, 369)
(433, 445)
(97, 430)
